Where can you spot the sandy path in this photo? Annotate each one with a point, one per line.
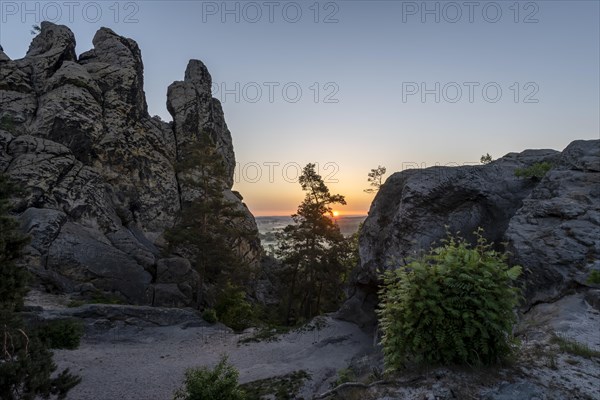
(149, 363)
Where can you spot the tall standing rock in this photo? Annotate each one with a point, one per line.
(99, 171)
(195, 112)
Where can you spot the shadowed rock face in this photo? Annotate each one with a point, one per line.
(99, 171)
(556, 234)
(551, 225)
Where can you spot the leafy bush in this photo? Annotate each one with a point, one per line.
(61, 334)
(535, 172)
(452, 305)
(210, 316)
(218, 383)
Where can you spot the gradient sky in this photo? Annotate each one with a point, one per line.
(366, 55)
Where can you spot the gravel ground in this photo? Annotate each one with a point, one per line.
(149, 363)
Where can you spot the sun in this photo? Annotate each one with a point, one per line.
(336, 213)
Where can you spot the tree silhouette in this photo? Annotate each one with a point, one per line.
(375, 179)
(313, 252)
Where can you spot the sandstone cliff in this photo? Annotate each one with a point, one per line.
(101, 186)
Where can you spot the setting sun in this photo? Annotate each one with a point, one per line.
(336, 213)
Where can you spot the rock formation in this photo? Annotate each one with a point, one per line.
(551, 225)
(99, 172)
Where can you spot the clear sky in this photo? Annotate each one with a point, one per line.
(393, 83)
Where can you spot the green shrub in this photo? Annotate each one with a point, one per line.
(453, 305)
(218, 383)
(535, 172)
(233, 309)
(210, 316)
(61, 334)
(594, 277)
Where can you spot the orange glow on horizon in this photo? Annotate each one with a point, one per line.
(336, 213)
(279, 213)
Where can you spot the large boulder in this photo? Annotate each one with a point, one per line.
(551, 225)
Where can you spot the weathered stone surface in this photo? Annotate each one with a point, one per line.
(169, 295)
(84, 255)
(551, 226)
(194, 111)
(174, 270)
(556, 234)
(133, 315)
(519, 391)
(42, 225)
(99, 172)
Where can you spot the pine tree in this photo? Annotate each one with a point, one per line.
(375, 179)
(26, 364)
(313, 251)
(206, 231)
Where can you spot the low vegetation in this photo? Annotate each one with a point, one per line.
(61, 334)
(535, 171)
(344, 375)
(284, 387)
(594, 277)
(574, 347)
(97, 298)
(453, 305)
(220, 382)
(265, 334)
(210, 316)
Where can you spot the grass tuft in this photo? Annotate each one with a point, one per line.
(574, 347)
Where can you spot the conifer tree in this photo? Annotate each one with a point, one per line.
(313, 251)
(206, 231)
(26, 365)
(375, 179)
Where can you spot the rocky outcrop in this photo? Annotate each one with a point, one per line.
(551, 225)
(99, 172)
(556, 234)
